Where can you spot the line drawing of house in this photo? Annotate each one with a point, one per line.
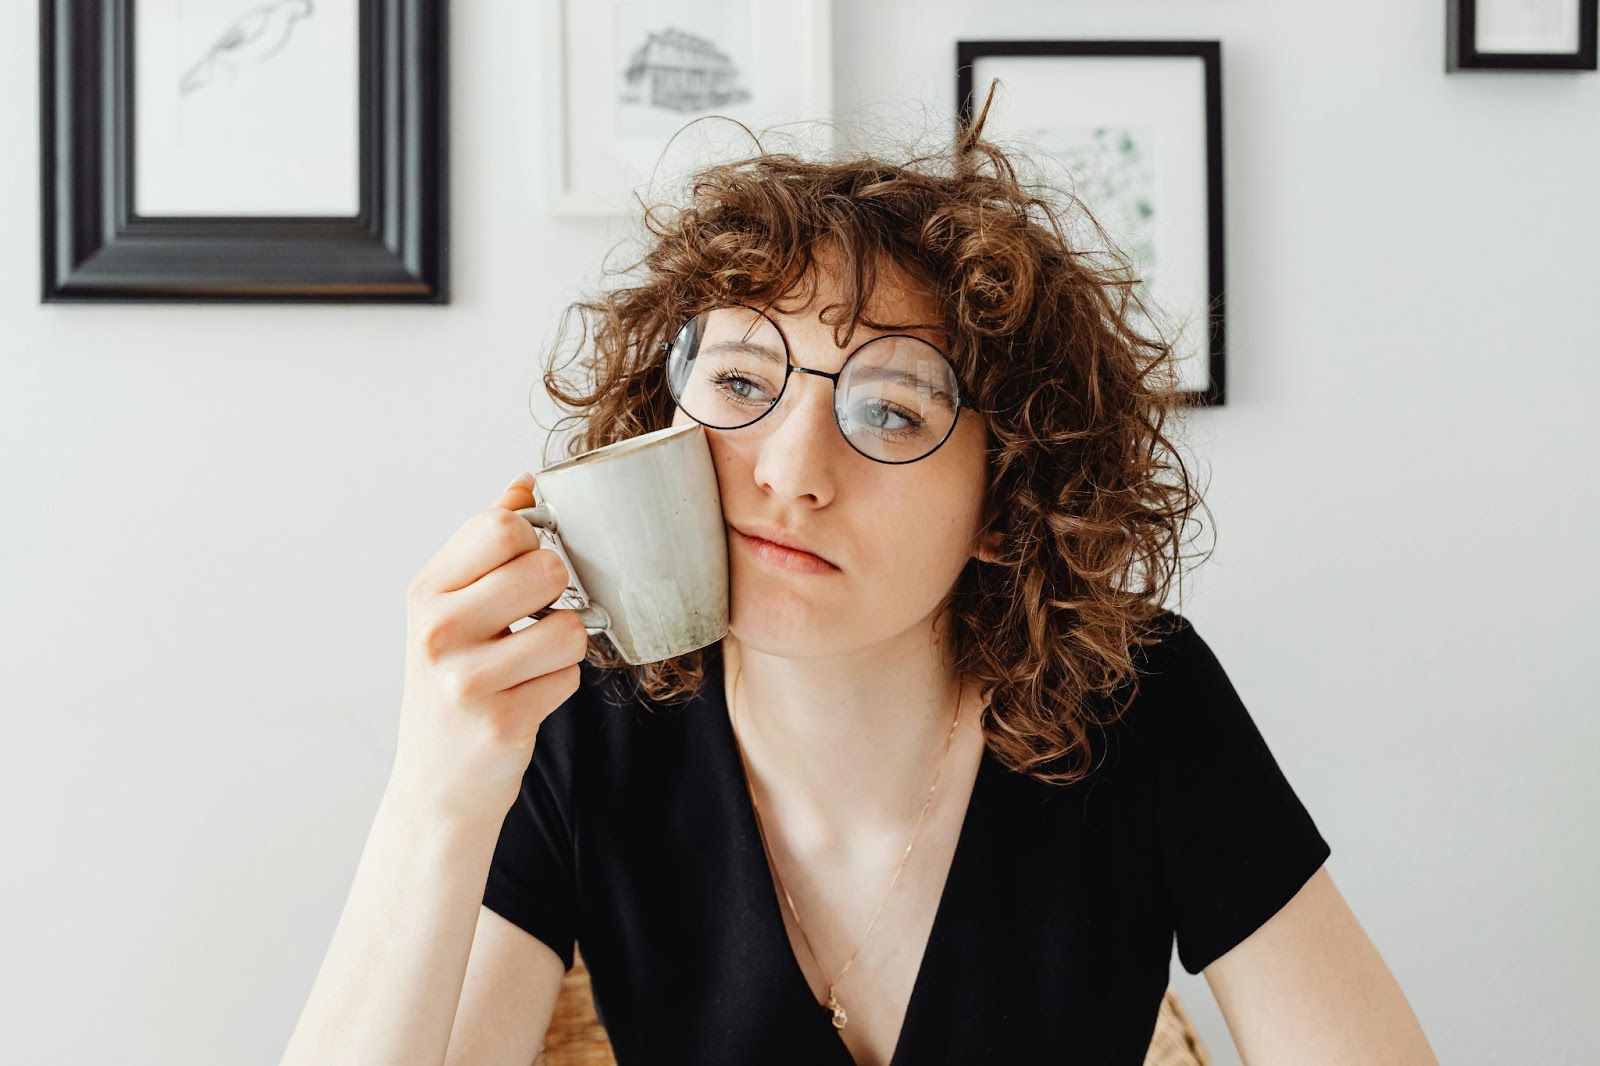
(680, 71)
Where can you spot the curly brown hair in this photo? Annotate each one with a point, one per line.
(1087, 494)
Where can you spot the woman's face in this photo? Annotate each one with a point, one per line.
(898, 536)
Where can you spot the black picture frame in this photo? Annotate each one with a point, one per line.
(1209, 52)
(95, 248)
(1461, 50)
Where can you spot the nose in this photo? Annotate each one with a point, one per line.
(797, 451)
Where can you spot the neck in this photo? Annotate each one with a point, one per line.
(847, 745)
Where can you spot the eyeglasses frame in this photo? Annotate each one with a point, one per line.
(791, 368)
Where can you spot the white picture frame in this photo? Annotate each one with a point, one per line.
(619, 101)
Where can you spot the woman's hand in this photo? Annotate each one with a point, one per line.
(476, 693)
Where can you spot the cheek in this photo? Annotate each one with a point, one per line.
(730, 469)
(915, 529)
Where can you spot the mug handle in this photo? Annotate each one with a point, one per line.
(595, 618)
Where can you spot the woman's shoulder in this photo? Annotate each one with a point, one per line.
(1180, 704)
(1162, 640)
(1170, 658)
(1187, 727)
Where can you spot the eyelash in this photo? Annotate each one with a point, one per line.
(913, 423)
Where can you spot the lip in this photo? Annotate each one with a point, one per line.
(781, 550)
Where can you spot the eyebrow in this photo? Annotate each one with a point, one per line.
(871, 373)
(765, 351)
(880, 373)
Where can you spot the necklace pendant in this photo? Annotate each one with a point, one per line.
(839, 1016)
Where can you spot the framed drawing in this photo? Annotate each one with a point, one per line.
(628, 79)
(1520, 34)
(228, 150)
(1132, 130)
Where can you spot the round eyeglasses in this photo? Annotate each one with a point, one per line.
(895, 399)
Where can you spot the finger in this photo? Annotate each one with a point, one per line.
(510, 593)
(485, 541)
(528, 653)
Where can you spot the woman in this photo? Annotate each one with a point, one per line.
(953, 782)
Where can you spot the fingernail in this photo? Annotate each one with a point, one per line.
(523, 480)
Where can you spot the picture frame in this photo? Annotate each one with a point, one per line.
(1137, 128)
(1528, 35)
(628, 78)
(244, 150)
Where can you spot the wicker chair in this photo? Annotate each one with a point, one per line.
(576, 1038)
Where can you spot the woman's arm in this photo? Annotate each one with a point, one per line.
(1309, 987)
(390, 983)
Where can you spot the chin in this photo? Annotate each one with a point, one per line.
(769, 618)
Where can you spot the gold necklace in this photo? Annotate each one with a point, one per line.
(839, 1017)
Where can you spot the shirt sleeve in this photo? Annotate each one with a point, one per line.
(533, 873)
(1236, 841)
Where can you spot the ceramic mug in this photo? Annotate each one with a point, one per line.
(640, 523)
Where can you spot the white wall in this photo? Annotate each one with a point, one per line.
(210, 515)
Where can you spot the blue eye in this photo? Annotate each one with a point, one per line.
(879, 417)
(732, 384)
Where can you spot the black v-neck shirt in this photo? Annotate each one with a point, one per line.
(634, 835)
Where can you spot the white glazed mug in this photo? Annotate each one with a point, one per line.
(640, 523)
